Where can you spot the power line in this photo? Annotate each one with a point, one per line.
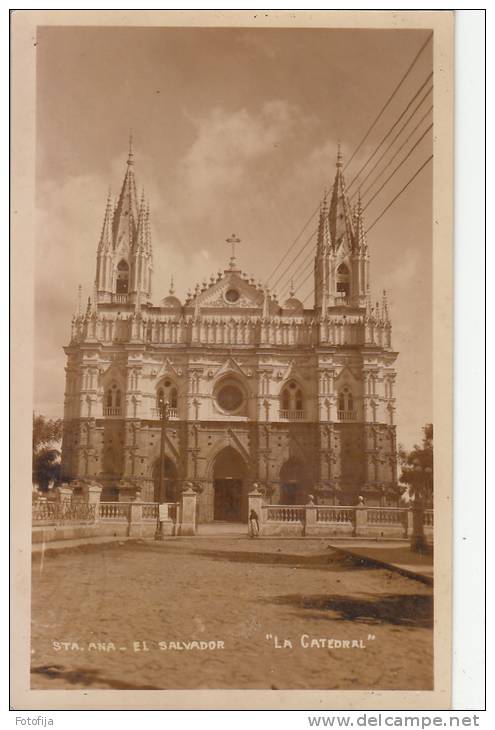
(297, 283)
(293, 244)
(398, 166)
(389, 99)
(399, 193)
(357, 149)
(394, 125)
(389, 147)
(295, 258)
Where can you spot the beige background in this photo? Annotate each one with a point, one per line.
(23, 139)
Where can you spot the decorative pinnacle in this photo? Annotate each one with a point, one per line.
(339, 155)
(291, 290)
(79, 300)
(130, 158)
(172, 289)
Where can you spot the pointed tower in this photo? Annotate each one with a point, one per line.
(341, 260)
(124, 257)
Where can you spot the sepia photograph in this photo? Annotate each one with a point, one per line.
(235, 373)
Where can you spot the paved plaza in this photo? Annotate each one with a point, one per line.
(226, 612)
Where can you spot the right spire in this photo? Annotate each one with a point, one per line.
(341, 261)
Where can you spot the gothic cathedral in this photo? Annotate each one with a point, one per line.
(298, 400)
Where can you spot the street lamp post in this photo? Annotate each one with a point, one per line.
(422, 479)
(164, 415)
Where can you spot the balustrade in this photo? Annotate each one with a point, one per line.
(112, 411)
(386, 515)
(281, 513)
(288, 415)
(63, 512)
(346, 415)
(150, 510)
(114, 510)
(335, 514)
(173, 414)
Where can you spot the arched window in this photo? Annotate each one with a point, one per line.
(291, 402)
(123, 277)
(167, 393)
(113, 401)
(346, 405)
(343, 281)
(173, 397)
(285, 399)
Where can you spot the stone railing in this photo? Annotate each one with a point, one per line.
(220, 330)
(149, 510)
(284, 513)
(69, 517)
(173, 414)
(112, 411)
(114, 510)
(386, 515)
(346, 415)
(345, 521)
(60, 512)
(288, 415)
(336, 515)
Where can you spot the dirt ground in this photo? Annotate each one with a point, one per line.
(292, 614)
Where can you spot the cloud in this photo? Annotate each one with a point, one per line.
(229, 147)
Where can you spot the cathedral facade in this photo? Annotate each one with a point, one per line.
(297, 400)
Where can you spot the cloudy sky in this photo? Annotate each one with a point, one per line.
(234, 130)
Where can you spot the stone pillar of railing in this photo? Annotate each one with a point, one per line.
(135, 528)
(255, 504)
(188, 511)
(63, 493)
(310, 516)
(361, 526)
(92, 494)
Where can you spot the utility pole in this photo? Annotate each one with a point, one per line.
(163, 409)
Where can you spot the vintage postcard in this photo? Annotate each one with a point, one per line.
(232, 249)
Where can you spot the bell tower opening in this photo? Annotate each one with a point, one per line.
(122, 278)
(343, 281)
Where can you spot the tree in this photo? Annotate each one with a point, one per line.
(46, 468)
(417, 468)
(46, 431)
(47, 434)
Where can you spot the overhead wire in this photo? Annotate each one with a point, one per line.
(409, 69)
(393, 126)
(281, 277)
(430, 108)
(388, 101)
(398, 166)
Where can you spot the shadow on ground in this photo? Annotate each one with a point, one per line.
(330, 560)
(85, 678)
(399, 610)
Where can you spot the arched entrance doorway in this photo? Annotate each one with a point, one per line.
(293, 482)
(170, 491)
(229, 487)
